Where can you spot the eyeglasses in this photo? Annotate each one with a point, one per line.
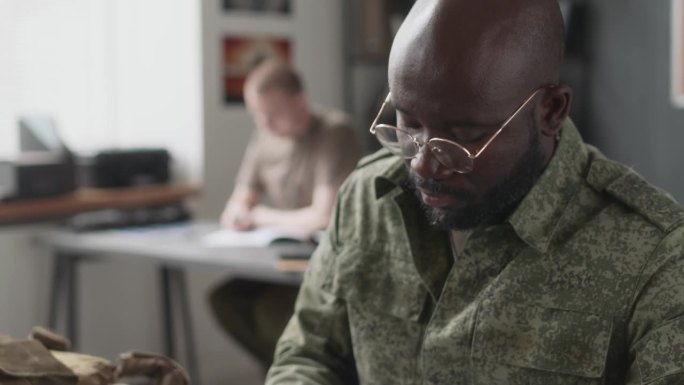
(449, 153)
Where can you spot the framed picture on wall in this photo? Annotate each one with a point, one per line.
(678, 53)
(265, 6)
(241, 54)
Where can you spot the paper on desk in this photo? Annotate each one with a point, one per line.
(255, 238)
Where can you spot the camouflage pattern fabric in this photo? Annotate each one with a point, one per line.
(583, 284)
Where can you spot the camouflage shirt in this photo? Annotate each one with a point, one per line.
(583, 284)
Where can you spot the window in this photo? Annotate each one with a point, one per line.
(678, 52)
(112, 73)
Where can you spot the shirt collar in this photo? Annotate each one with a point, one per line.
(391, 177)
(536, 218)
(314, 125)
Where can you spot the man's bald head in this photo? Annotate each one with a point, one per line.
(458, 69)
(486, 51)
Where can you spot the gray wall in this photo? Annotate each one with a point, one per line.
(629, 112)
(626, 105)
(119, 300)
(315, 30)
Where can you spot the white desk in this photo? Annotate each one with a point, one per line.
(173, 247)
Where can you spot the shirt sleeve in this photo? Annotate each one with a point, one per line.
(657, 325)
(315, 347)
(248, 174)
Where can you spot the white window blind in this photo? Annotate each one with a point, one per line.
(112, 73)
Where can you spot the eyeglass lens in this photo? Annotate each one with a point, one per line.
(451, 155)
(401, 143)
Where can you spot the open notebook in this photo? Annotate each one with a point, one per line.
(261, 237)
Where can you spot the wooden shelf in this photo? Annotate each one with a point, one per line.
(90, 199)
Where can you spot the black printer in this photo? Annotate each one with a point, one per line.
(44, 167)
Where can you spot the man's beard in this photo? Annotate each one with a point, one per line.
(497, 203)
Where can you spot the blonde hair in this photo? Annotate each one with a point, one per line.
(274, 74)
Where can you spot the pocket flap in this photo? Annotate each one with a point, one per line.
(553, 340)
(657, 350)
(380, 281)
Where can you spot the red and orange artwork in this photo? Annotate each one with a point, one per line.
(241, 54)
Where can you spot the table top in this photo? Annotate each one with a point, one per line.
(90, 199)
(181, 245)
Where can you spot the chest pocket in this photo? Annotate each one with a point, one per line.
(379, 281)
(384, 297)
(557, 343)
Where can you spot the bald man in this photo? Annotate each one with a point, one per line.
(486, 243)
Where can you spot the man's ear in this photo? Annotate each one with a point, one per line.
(555, 109)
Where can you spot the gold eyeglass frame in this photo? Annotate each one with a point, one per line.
(420, 143)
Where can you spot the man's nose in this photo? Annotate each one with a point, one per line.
(427, 166)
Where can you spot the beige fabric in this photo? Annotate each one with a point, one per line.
(30, 359)
(29, 362)
(90, 370)
(49, 339)
(4, 338)
(286, 170)
(458, 241)
(164, 370)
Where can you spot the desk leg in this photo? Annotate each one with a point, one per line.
(167, 311)
(175, 291)
(64, 288)
(56, 294)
